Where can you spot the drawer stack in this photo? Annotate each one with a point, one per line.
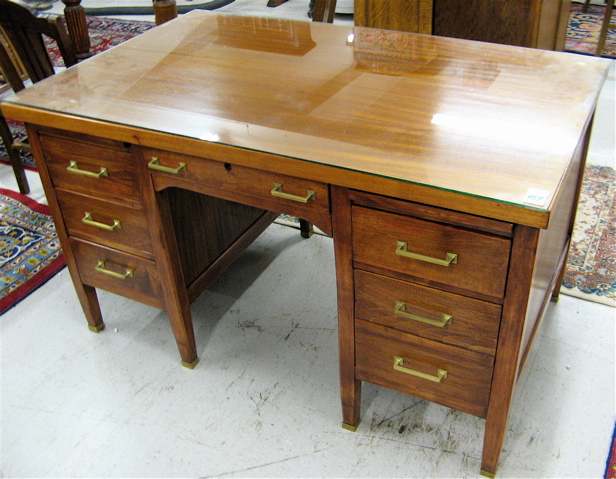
(428, 300)
(98, 191)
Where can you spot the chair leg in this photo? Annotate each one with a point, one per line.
(324, 11)
(585, 7)
(605, 26)
(14, 157)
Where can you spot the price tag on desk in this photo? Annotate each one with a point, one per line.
(535, 196)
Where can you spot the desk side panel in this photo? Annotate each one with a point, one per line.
(553, 247)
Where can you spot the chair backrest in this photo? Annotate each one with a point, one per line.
(24, 32)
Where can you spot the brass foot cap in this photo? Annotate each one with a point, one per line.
(348, 427)
(491, 475)
(96, 329)
(192, 365)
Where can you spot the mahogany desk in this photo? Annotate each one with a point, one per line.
(447, 172)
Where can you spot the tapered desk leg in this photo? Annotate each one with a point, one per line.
(508, 356)
(165, 248)
(350, 388)
(77, 27)
(177, 302)
(584, 156)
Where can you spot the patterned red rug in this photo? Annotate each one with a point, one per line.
(30, 251)
(583, 31)
(610, 467)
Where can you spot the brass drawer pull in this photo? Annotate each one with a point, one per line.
(155, 165)
(101, 268)
(277, 191)
(399, 366)
(450, 258)
(400, 310)
(87, 219)
(73, 167)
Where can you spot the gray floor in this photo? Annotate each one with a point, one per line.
(264, 400)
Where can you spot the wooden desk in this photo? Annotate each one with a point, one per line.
(447, 172)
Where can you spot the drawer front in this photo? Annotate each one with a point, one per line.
(121, 273)
(272, 191)
(93, 170)
(110, 224)
(445, 317)
(453, 377)
(464, 259)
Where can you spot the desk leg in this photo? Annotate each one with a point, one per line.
(578, 191)
(509, 354)
(172, 281)
(165, 248)
(306, 228)
(350, 388)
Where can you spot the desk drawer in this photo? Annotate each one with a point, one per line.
(237, 182)
(407, 245)
(92, 170)
(111, 224)
(121, 273)
(465, 376)
(430, 313)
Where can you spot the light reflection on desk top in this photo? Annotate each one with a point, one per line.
(482, 119)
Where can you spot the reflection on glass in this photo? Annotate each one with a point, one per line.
(265, 34)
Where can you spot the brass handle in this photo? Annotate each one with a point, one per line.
(277, 191)
(400, 310)
(73, 167)
(101, 268)
(399, 366)
(155, 165)
(401, 249)
(87, 219)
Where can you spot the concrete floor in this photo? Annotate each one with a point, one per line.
(264, 401)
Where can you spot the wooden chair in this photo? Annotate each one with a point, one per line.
(605, 26)
(23, 33)
(323, 10)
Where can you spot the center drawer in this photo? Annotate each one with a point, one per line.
(272, 191)
(431, 252)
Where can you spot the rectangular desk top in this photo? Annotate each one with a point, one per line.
(482, 121)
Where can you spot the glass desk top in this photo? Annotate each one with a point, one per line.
(486, 120)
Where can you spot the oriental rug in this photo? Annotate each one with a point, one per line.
(583, 31)
(30, 252)
(610, 467)
(591, 265)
